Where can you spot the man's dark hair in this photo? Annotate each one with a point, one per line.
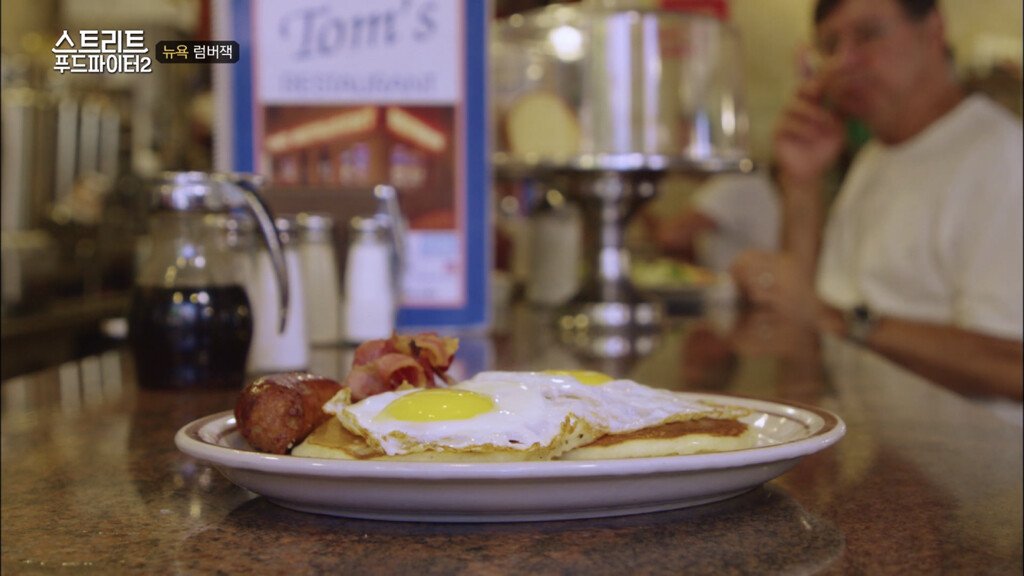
(914, 9)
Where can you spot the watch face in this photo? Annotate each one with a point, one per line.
(860, 322)
(862, 314)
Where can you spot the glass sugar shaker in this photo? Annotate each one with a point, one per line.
(370, 303)
(320, 277)
(555, 247)
(275, 349)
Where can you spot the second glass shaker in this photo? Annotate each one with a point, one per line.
(275, 349)
(370, 303)
(320, 277)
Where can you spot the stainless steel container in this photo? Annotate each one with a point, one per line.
(602, 103)
(591, 88)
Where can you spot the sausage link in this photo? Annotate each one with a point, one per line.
(277, 411)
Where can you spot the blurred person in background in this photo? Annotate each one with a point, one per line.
(921, 256)
(728, 214)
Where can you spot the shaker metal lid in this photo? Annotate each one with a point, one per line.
(365, 225)
(314, 221)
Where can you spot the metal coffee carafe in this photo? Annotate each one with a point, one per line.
(191, 321)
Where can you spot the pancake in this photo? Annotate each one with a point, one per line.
(332, 440)
(696, 436)
(702, 435)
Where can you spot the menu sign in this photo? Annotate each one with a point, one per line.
(344, 95)
(399, 51)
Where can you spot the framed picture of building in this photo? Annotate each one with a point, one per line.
(329, 99)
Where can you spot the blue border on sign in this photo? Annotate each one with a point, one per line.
(477, 188)
(241, 27)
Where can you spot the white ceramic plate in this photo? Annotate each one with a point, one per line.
(521, 491)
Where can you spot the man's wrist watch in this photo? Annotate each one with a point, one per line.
(860, 323)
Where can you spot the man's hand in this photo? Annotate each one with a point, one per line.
(775, 281)
(808, 138)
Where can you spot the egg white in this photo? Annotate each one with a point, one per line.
(615, 407)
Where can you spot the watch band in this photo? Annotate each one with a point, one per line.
(860, 323)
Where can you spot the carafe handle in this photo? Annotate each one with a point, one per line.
(248, 185)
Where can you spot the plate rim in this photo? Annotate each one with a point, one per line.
(832, 429)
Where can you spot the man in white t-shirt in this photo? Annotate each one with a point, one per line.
(921, 256)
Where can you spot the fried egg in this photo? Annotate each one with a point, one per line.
(534, 415)
(497, 416)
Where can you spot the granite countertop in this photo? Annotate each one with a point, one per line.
(923, 482)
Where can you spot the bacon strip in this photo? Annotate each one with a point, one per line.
(371, 350)
(383, 365)
(385, 374)
(438, 352)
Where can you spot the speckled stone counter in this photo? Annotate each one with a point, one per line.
(923, 482)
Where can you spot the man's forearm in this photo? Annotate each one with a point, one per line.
(802, 225)
(965, 361)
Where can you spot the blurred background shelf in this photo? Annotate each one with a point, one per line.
(61, 331)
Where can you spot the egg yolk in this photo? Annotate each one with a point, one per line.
(588, 377)
(438, 404)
